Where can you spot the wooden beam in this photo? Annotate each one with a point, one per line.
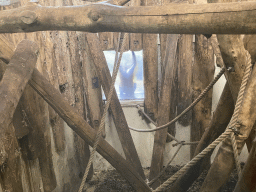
(12, 85)
(92, 86)
(118, 115)
(164, 107)
(84, 130)
(226, 18)
(202, 74)
(185, 77)
(246, 182)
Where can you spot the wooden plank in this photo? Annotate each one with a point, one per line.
(92, 86)
(83, 129)
(115, 106)
(202, 75)
(82, 151)
(164, 107)
(150, 70)
(106, 40)
(57, 124)
(12, 86)
(185, 78)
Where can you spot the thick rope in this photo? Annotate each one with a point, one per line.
(219, 139)
(233, 137)
(102, 123)
(187, 109)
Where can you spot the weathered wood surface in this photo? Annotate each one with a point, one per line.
(246, 182)
(83, 129)
(115, 106)
(185, 77)
(107, 40)
(172, 18)
(202, 75)
(57, 123)
(164, 106)
(92, 86)
(15, 78)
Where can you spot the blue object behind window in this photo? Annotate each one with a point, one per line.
(129, 82)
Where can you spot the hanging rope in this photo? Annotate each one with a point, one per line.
(102, 123)
(187, 109)
(224, 135)
(235, 126)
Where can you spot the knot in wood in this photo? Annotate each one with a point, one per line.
(28, 17)
(94, 15)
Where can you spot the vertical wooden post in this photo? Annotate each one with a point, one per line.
(185, 77)
(150, 69)
(202, 75)
(92, 86)
(164, 107)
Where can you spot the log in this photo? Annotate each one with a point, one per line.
(82, 150)
(103, 17)
(84, 130)
(164, 107)
(12, 86)
(202, 75)
(92, 87)
(115, 106)
(185, 78)
(57, 123)
(246, 182)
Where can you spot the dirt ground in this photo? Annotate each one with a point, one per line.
(112, 181)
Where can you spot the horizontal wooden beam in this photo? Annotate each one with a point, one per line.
(223, 18)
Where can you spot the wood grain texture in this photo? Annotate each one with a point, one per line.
(13, 83)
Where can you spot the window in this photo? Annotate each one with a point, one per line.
(129, 82)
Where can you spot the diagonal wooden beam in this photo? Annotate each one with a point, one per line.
(85, 131)
(14, 81)
(122, 128)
